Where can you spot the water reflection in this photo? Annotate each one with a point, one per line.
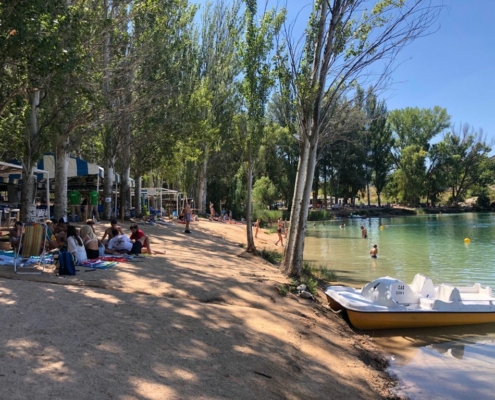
(442, 363)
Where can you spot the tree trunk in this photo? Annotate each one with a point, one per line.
(61, 172)
(368, 193)
(137, 197)
(251, 248)
(32, 147)
(108, 189)
(289, 265)
(203, 181)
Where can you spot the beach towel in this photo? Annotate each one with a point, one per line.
(98, 264)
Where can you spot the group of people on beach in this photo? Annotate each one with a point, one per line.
(83, 242)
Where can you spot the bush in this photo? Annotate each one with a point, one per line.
(319, 215)
(272, 256)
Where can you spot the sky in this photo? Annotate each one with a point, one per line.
(453, 68)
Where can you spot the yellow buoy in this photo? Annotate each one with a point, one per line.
(467, 240)
(382, 227)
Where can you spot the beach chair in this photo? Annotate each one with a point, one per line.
(31, 244)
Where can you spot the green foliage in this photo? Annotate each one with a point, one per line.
(264, 192)
(283, 290)
(319, 215)
(273, 257)
(267, 215)
(413, 129)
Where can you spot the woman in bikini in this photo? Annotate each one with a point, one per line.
(90, 241)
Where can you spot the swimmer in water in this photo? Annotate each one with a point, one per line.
(374, 251)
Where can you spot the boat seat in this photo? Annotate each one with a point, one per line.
(448, 293)
(447, 298)
(424, 286)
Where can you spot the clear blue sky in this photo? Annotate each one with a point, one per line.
(453, 68)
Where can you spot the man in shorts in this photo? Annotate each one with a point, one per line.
(138, 235)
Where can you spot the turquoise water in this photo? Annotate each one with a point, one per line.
(442, 363)
(432, 245)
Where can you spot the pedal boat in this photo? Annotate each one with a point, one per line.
(388, 303)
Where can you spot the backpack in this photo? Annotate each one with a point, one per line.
(66, 264)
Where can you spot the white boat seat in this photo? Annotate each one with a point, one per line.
(424, 286)
(448, 293)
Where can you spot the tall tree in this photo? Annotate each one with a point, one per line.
(467, 163)
(413, 129)
(255, 53)
(380, 143)
(343, 40)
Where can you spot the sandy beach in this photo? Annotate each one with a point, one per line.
(203, 321)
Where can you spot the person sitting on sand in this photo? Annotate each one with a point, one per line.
(108, 231)
(90, 241)
(15, 235)
(374, 251)
(60, 232)
(75, 245)
(138, 235)
(121, 244)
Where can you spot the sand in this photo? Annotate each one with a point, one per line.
(203, 321)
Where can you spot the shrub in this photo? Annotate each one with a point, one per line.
(272, 256)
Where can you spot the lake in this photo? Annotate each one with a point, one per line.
(443, 363)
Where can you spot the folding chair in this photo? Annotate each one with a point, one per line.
(31, 244)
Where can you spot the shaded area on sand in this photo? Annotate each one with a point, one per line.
(197, 322)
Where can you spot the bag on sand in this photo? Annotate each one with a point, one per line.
(66, 264)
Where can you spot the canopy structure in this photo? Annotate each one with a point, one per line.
(148, 193)
(12, 173)
(77, 166)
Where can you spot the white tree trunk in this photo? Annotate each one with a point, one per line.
(107, 189)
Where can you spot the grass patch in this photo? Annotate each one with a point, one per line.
(283, 290)
(313, 276)
(272, 256)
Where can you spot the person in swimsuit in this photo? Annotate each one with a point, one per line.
(364, 232)
(256, 228)
(90, 241)
(374, 251)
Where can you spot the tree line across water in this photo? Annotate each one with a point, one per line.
(211, 101)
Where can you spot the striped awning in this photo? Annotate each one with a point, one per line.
(77, 166)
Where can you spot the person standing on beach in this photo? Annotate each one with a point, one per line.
(279, 232)
(212, 212)
(187, 215)
(374, 251)
(256, 228)
(364, 232)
